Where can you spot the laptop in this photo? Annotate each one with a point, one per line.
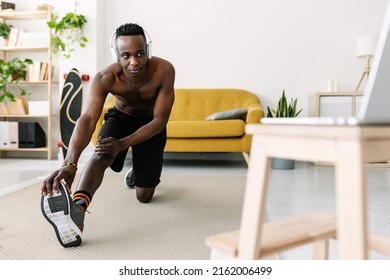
(375, 106)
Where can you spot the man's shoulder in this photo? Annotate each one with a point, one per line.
(111, 71)
(162, 66)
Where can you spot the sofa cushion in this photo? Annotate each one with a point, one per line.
(197, 104)
(238, 113)
(205, 129)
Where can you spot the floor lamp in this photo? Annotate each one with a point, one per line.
(365, 48)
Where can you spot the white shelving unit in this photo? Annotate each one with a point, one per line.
(19, 19)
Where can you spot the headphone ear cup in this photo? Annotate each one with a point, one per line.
(114, 54)
(149, 49)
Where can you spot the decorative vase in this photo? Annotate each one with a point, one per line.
(282, 164)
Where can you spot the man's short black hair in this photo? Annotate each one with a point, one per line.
(129, 29)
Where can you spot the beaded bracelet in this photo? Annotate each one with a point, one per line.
(70, 163)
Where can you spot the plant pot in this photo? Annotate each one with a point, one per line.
(69, 37)
(17, 75)
(282, 164)
(3, 42)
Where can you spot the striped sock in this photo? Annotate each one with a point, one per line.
(82, 198)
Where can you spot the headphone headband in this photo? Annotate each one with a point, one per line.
(114, 50)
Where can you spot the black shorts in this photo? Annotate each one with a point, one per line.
(147, 156)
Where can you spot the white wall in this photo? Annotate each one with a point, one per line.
(263, 46)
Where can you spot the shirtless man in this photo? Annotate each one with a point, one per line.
(143, 87)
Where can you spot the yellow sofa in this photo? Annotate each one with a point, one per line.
(189, 131)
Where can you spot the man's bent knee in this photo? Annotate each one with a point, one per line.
(144, 195)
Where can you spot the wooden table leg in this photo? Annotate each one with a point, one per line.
(351, 200)
(254, 200)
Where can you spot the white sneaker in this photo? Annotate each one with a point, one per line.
(129, 179)
(65, 216)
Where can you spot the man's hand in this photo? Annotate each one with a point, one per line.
(108, 146)
(52, 182)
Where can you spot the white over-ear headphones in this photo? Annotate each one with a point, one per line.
(114, 50)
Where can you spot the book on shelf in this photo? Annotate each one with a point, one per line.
(3, 108)
(46, 77)
(43, 70)
(30, 73)
(13, 37)
(36, 70)
(39, 71)
(21, 103)
(17, 107)
(19, 38)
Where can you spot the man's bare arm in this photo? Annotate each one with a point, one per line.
(81, 136)
(86, 124)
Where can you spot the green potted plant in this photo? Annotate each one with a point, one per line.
(284, 109)
(5, 30)
(66, 33)
(12, 71)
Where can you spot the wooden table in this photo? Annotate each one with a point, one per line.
(348, 147)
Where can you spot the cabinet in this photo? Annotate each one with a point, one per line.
(337, 104)
(40, 89)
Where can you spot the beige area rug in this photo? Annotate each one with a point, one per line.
(184, 211)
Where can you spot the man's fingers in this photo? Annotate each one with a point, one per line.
(68, 187)
(103, 140)
(49, 184)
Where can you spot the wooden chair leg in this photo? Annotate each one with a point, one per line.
(321, 249)
(246, 157)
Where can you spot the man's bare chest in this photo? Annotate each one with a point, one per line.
(146, 92)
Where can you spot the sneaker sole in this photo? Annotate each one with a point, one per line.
(56, 211)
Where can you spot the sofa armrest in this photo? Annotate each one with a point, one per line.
(255, 113)
(108, 105)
